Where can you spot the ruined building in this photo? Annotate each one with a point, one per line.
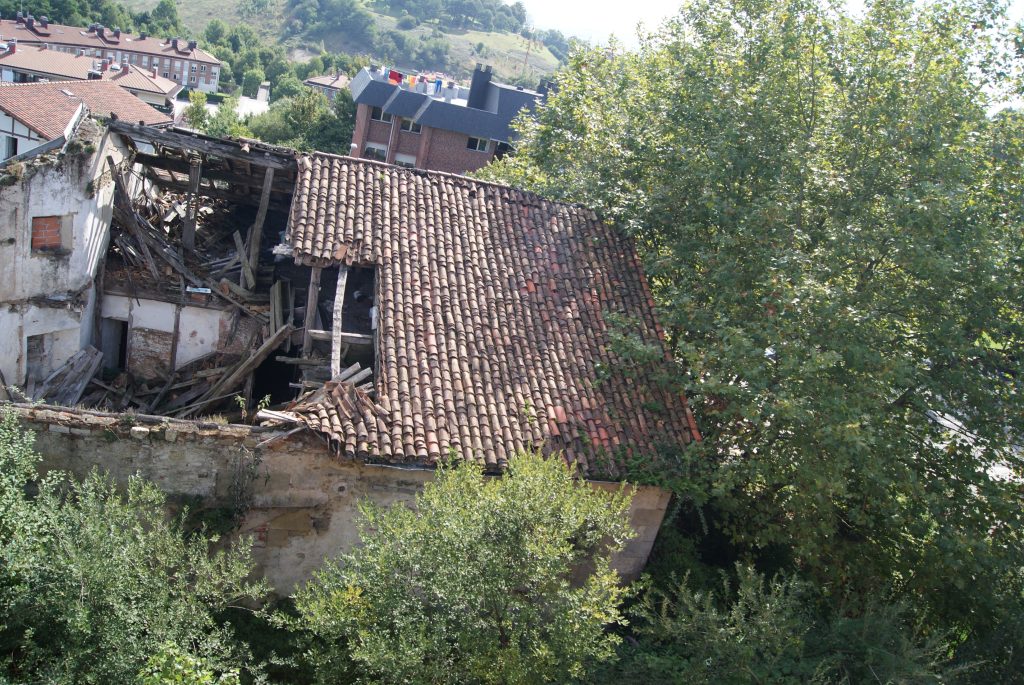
(278, 335)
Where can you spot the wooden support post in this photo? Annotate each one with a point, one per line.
(339, 304)
(256, 234)
(247, 277)
(188, 232)
(312, 298)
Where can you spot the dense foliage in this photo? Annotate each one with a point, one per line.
(474, 586)
(831, 221)
(161, 20)
(94, 583)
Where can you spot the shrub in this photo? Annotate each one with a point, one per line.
(474, 585)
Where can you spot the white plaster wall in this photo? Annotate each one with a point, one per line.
(198, 329)
(27, 139)
(61, 288)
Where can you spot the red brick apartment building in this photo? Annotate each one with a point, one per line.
(174, 58)
(425, 123)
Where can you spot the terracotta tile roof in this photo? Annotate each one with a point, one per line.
(338, 81)
(47, 112)
(45, 105)
(494, 321)
(78, 36)
(56, 64)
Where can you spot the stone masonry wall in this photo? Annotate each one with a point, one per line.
(300, 502)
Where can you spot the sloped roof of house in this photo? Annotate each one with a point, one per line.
(495, 322)
(48, 107)
(82, 37)
(57, 64)
(48, 114)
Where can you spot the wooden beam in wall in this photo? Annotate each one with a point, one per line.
(256, 234)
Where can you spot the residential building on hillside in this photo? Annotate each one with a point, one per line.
(37, 114)
(177, 59)
(30, 63)
(328, 84)
(430, 123)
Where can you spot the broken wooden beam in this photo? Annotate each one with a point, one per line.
(256, 233)
(312, 297)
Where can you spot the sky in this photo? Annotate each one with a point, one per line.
(597, 19)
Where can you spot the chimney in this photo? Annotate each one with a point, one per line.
(478, 87)
(117, 32)
(174, 44)
(105, 64)
(12, 46)
(101, 32)
(192, 45)
(19, 18)
(30, 22)
(142, 35)
(154, 72)
(44, 20)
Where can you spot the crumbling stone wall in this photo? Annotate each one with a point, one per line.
(297, 500)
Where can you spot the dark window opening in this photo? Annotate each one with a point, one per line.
(35, 359)
(377, 114)
(478, 144)
(114, 338)
(358, 312)
(411, 126)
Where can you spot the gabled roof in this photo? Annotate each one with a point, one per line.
(48, 107)
(47, 62)
(48, 114)
(495, 316)
(78, 36)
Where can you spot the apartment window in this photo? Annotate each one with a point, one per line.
(377, 114)
(192, 79)
(202, 67)
(145, 60)
(165, 74)
(375, 151)
(478, 144)
(407, 161)
(12, 147)
(50, 234)
(177, 64)
(192, 67)
(411, 126)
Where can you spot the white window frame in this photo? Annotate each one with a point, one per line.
(385, 117)
(476, 147)
(407, 161)
(411, 126)
(382, 149)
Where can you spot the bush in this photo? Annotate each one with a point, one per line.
(474, 585)
(757, 631)
(407, 22)
(93, 582)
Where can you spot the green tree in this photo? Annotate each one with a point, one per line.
(251, 81)
(216, 32)
(476, 585)
(226, 122)
(196, 114)
(93, 583)
(831, 224)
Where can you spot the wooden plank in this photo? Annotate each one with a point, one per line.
(299, 361)
(348, 373)
(188, 141)
(121, 193)
(311, 305)
(243, 369)
(247, 274)
(277, 305)
(188, 228)
(256, 233)
(319, 335)
(355, 338)
(337, 353)
(359, 377)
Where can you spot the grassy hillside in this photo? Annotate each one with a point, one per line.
(510, 54)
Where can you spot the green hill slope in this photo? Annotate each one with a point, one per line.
(513, 57)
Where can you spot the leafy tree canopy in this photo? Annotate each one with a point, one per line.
(831, 221)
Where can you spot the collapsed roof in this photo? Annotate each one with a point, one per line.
(496, 310)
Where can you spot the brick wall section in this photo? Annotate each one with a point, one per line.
(46, 233)
(304, 501)
(448, 152)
